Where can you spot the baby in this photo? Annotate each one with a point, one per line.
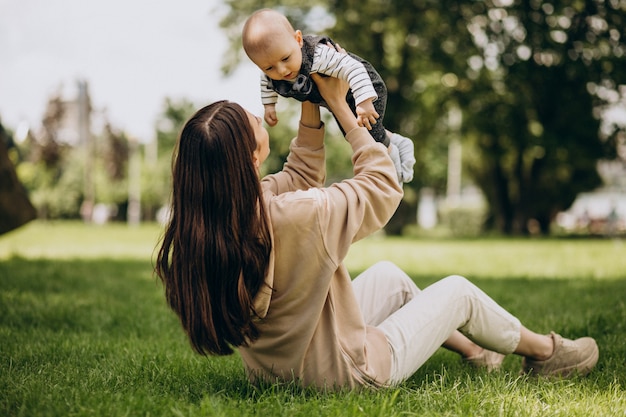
(287, 58)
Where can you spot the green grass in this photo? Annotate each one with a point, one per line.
(84, 331)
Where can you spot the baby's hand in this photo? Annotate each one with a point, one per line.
(367, 114)
(270, 114)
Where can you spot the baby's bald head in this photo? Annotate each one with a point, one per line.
(263, 28)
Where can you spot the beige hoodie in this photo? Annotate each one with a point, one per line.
(312, 329)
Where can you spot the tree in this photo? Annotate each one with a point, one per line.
(386, 34)
(15, 207)
(115, 153)
(110, 171)
(527, 75)
(156, 171)
(53, 172)
(531, 111)
(361, 32)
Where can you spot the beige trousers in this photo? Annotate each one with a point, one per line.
(417, 323)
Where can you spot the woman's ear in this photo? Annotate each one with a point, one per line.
(255, 159)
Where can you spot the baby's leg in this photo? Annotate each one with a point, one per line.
(378, 132)
(403, 156)
(406, 156)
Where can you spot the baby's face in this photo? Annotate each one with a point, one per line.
(283, 58)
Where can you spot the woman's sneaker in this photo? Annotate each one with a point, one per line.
(569, 357)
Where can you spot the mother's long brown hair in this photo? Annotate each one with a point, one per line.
(215, 250)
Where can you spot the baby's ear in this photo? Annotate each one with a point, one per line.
(298, 36)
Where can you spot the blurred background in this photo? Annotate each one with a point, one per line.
(517, 108)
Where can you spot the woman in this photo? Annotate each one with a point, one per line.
(257, 264)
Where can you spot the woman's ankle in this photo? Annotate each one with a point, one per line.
(535, 346)
(546, 350)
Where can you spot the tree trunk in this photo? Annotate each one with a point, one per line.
(15, 207)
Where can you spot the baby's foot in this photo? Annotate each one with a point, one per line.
(406, 157)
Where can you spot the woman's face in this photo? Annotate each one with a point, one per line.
(262, 150)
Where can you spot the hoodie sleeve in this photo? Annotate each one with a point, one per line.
(359, 206)
(306, 165)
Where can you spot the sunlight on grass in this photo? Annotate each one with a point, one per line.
(485, 258)
(67, 240)
(85, 331)
(496, 258)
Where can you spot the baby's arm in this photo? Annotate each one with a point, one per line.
(269, 98)
(270, 114)
(366, 113)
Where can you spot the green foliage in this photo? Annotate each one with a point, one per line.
(531, 121)
(156, 180)
(529, 77)
(338, 154)
(531, 113)
(56, 174)
(56, 191)
(85, 331)
(114, 153)
(280, 136)
(156, 168)
(234, 12)
(110, 173)
(170, 122)
(463, 221)
(108, 190)
(338, 151)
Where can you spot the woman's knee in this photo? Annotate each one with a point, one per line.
(386, 267)
(458, 284)
(392, 275)
(392, 269)
(457, 280)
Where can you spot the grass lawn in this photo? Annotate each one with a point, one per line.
(84, 331)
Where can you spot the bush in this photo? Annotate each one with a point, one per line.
(463, 221)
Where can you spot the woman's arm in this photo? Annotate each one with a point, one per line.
(334, 91)
(359, 206)
(306, 165)
(310, 116)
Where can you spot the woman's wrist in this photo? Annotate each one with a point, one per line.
(310, 116)
(344, 116)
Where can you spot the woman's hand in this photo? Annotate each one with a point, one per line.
(334, 91)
